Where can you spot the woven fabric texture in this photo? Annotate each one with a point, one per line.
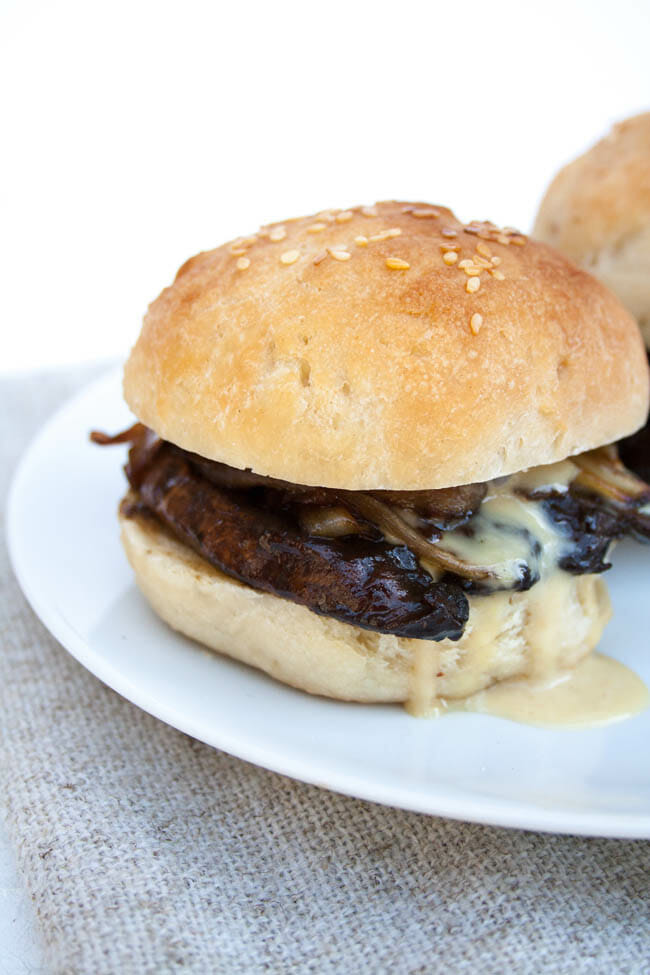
(145, 851)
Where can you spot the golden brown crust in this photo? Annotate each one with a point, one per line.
(521, 634)
(597, 212)
(346, 372)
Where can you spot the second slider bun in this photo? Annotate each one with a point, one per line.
(597, 212)
(348, 349)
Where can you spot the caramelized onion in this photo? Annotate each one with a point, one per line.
(604, 492)
(397, 530)
(601, 471)
(136, 432)
(331, 522)
(447, 507)
(603, 477)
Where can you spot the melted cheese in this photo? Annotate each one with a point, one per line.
(423, 700)
(558, 477)
(598, 691)
(508, 533)
(511, 635)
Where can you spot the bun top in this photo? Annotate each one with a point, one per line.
(387, 347)
(597, 212)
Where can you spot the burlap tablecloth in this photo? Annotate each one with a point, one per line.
(146, 851)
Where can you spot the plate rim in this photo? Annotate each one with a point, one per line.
(490, 811)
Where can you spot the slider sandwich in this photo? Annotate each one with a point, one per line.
(597, 212)
(374, 431)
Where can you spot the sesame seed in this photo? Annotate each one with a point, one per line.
(248, 241)
(450, 257)
(326, 215)
(499, 275)
(361, 241)
(519, 240)
(449, 232)
(316, 228)
(473, 284)
(423, 214)
(481, 228)
(449, 247)
(278, 234)
(235, 251)
(472, 271)
(483, 250)
(339, 255)
(243, 263)
(386, 234)
(369, 211)
(397, 264)
(466, 263)
(503, 239)
(481, 261)
(475, 323)
(289, 257)
(344, 216)
(496, 261)
(320, 258)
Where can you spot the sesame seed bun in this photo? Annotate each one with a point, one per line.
(509, 634)
(597, 212)
(387, 347)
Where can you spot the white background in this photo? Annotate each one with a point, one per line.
(135, 134)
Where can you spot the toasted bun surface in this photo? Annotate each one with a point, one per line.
(535, 633)
(360, 367)
(597, 212)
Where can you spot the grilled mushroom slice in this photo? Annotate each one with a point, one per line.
(370, 584)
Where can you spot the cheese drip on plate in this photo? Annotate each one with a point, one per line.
(514, 535)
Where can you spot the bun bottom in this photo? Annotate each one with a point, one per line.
(515, 634)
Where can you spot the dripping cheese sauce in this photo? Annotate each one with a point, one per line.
(597, 690)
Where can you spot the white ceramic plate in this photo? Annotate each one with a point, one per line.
(64, 545)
